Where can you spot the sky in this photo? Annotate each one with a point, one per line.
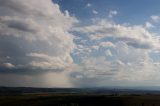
(79, 43)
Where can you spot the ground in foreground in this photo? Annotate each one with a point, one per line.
(50, 99)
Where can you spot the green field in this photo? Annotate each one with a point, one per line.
(47, 99)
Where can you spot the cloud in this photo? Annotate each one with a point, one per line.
(131, 67)
(108, 53)
(89, 5)
(97, 71)
(95, 47)
(35, 44)
(35, 38)
(149, 25)
(121, 53)
(112, 13)
(38, 48)
(50, 62)
(83, 49)
(8, 66)
(95, 12)
(93, 67)
(107, 44)
(136, 36)
(128, 54)
(155, 18)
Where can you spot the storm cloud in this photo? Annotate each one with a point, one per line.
(34, 35)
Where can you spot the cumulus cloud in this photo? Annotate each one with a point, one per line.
(108, 53)
(35, 34)
(107, 44)
(98, 71)
(89, 5)
(95, 12)
(83, 49)
(50, 62)
(149, 25)
(8, 66)
(35, 37)
(95, 47)
(112, 13)
(155, 18)
(136, 36)
(121, 54)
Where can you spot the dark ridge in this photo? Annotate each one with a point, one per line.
(104, 91)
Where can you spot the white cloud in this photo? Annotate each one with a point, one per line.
(8, 66)
(32, 39)
(131, 55)
(83, 49)
(127, 45)
(97, 71)
(37, 28)
(108, 53)
(112, 13)
(95, 47)
(136, 36)
(89, 5)
(95, 12)
(149, 25)
(50, 62)
(107, 44)
(155, 18)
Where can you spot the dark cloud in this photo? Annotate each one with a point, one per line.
(34, 39)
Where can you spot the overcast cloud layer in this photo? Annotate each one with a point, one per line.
(40, 46)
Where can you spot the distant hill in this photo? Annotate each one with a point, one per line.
(107, 91)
